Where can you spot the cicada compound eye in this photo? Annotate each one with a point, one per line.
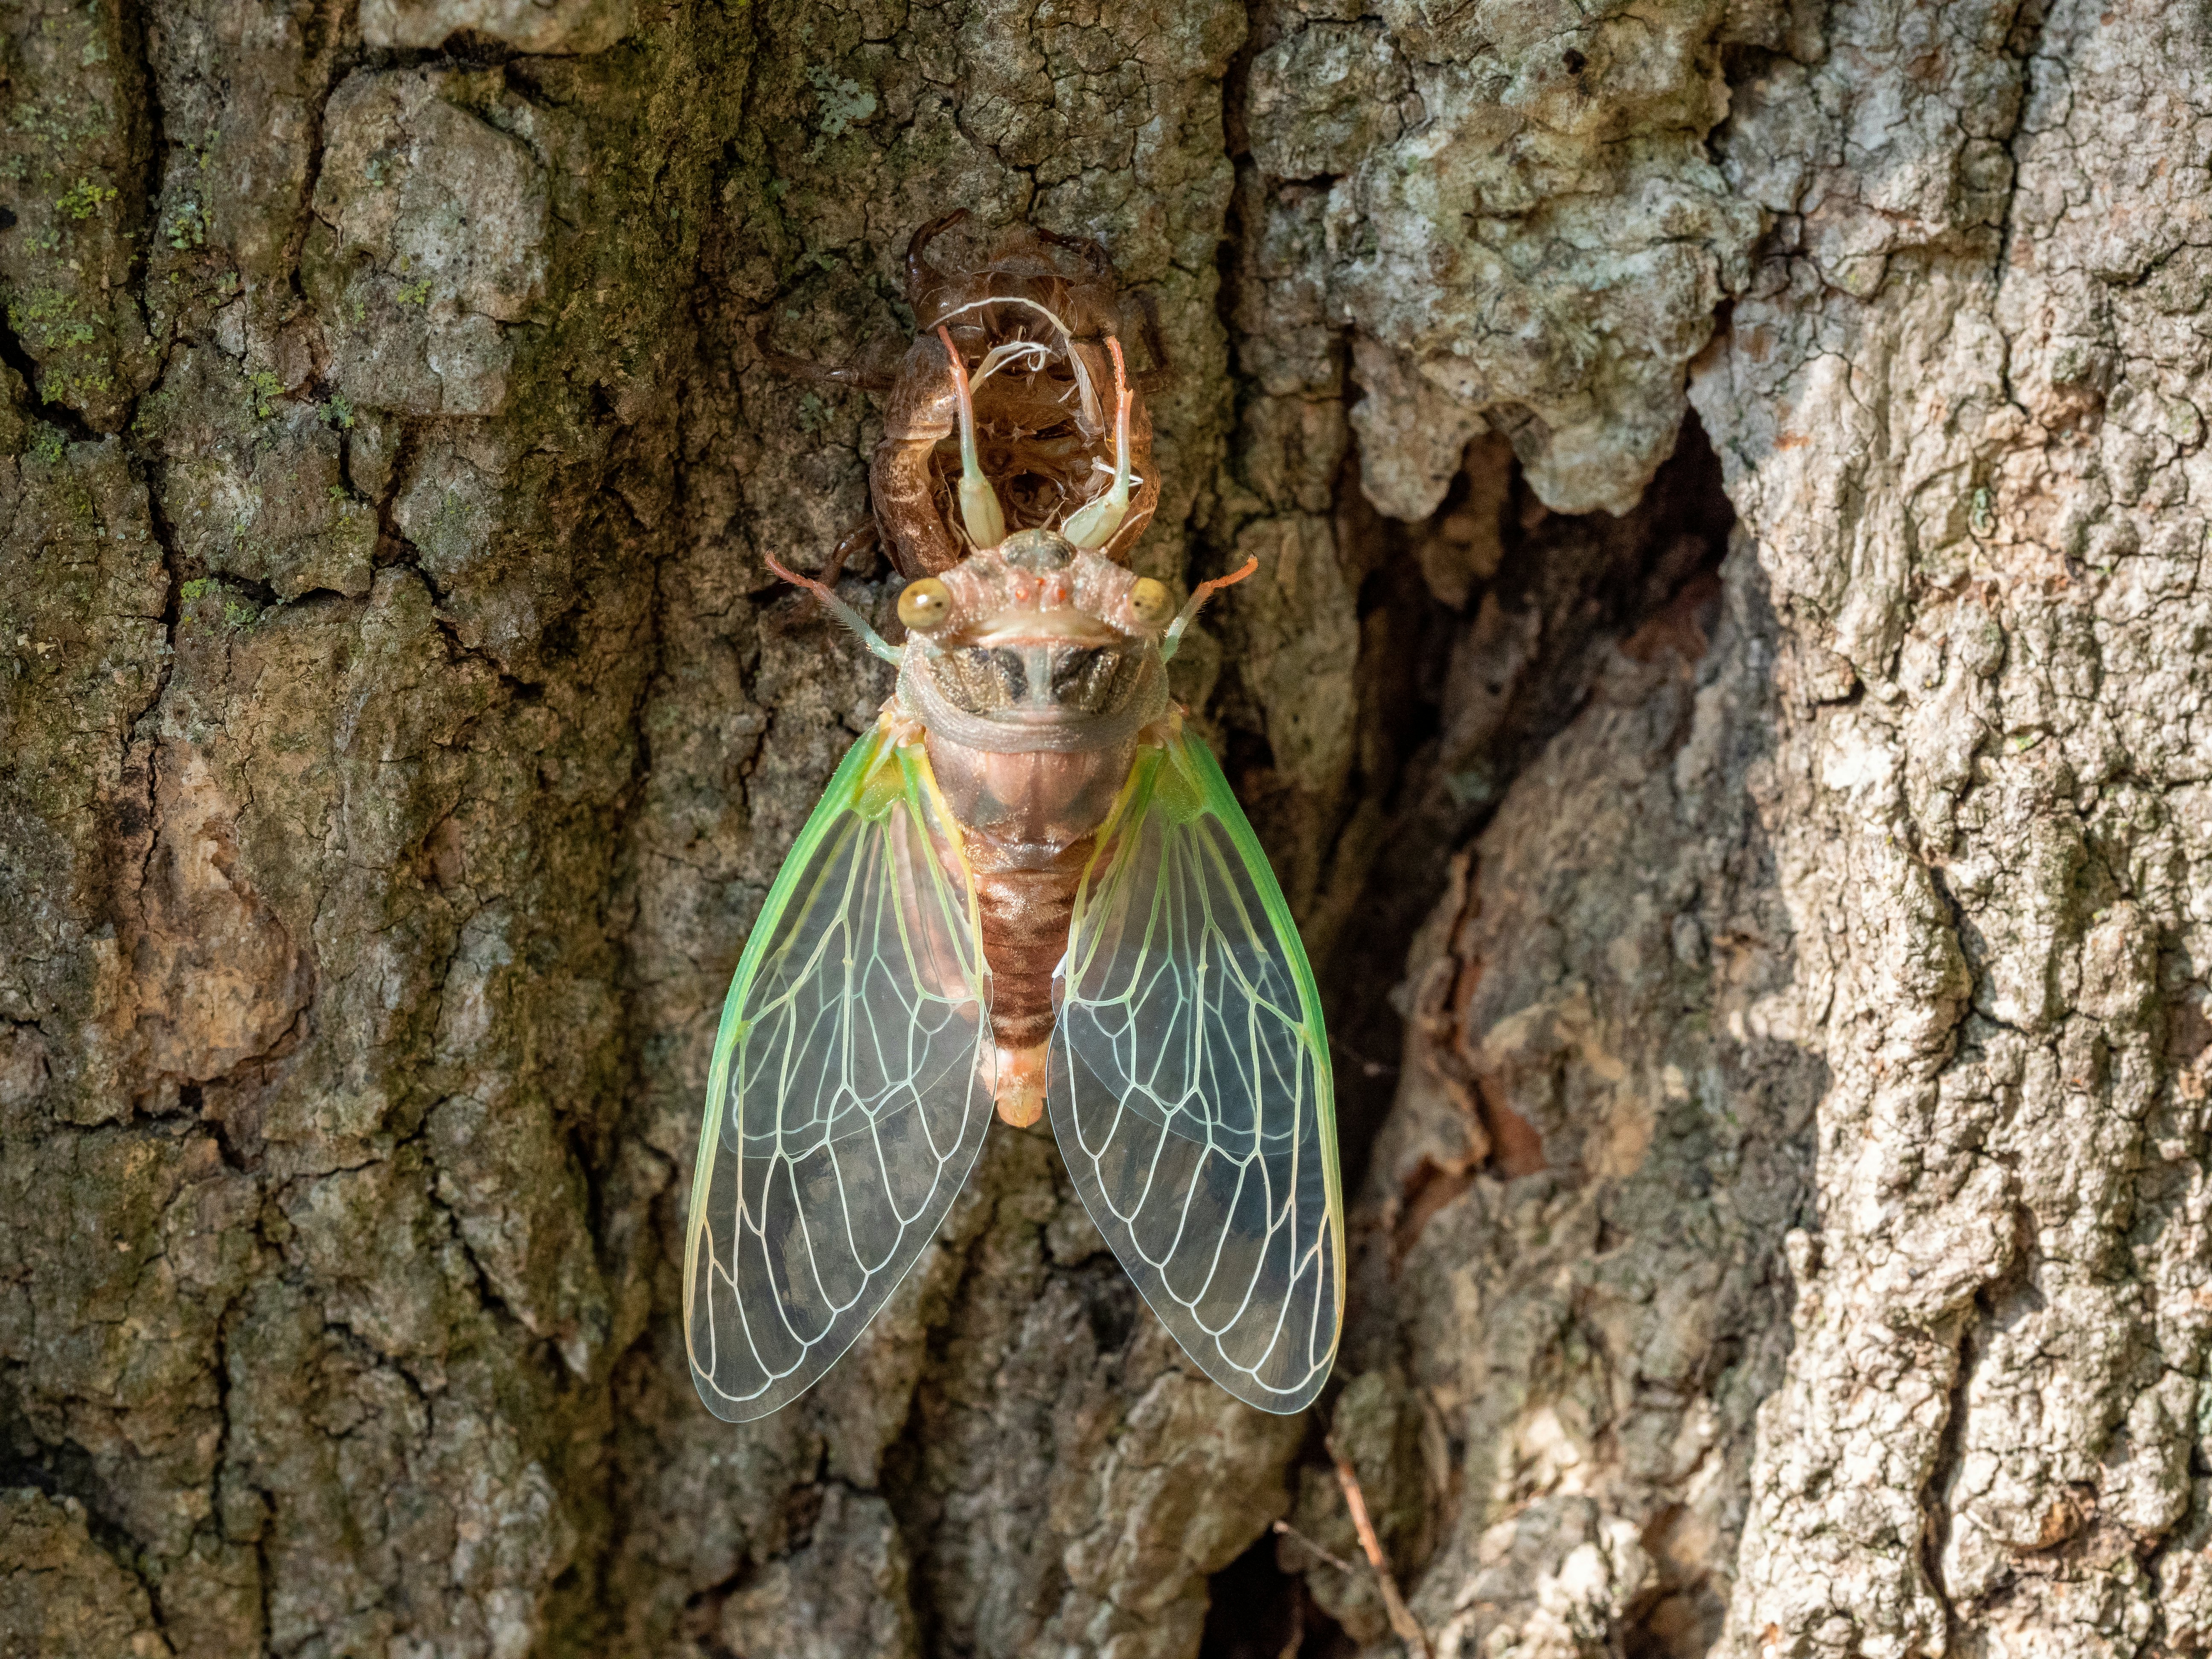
(1151, 601)
(924, 604)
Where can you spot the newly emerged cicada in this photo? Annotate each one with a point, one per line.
(1027, 888)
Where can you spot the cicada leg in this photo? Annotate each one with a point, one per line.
(924, 281)
(923, 411)
(1092, 250)
(981, 515)
(1120, 512)
(1094, 523)
(1162, 374)
(860, 380)
(904, 490)
(862, 537)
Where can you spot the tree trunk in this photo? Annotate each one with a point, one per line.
(1758, 862)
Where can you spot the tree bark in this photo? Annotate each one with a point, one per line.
(1758, 860)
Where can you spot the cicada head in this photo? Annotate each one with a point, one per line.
(1034, 644)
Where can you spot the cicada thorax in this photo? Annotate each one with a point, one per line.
(1033, 668)
(1030, 322)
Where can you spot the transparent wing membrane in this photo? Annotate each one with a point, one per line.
(850, 1089)
(1190, 1088)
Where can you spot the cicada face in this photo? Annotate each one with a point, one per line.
(1037, 645)
(1033, 680)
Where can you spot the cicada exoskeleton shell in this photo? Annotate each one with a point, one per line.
(1044, 415)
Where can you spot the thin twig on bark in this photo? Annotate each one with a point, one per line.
(1407, 1628)
(1286, 1530)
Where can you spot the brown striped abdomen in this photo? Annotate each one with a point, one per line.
(1024, 908)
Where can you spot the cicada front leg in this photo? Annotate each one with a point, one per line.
(1110, 521)
(926, 285)
(923, 411)
(903, 476)
(1162, 374)
(856, 542)
(799, 368)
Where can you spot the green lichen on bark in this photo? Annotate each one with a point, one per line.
(73, 157)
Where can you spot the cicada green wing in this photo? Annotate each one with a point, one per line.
(1189, 1084)
(850, 1089)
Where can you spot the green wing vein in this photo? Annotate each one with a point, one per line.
(849, 1091)
(1190, 1088)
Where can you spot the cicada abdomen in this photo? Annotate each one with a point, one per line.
(1028, 889)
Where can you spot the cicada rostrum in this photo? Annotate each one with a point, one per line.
(1029, 888)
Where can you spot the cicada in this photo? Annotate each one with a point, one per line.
(1028, 891)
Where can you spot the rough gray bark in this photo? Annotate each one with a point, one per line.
(1782, 1228)
(1991, 832)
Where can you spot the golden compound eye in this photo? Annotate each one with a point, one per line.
(1151, 601)
(924, 604)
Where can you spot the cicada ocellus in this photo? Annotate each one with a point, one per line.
(1028, 887)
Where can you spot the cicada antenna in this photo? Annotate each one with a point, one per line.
(1199, 596)
(1092, 250)
(844, 613)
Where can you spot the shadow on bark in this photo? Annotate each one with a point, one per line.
(1568, 1297)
